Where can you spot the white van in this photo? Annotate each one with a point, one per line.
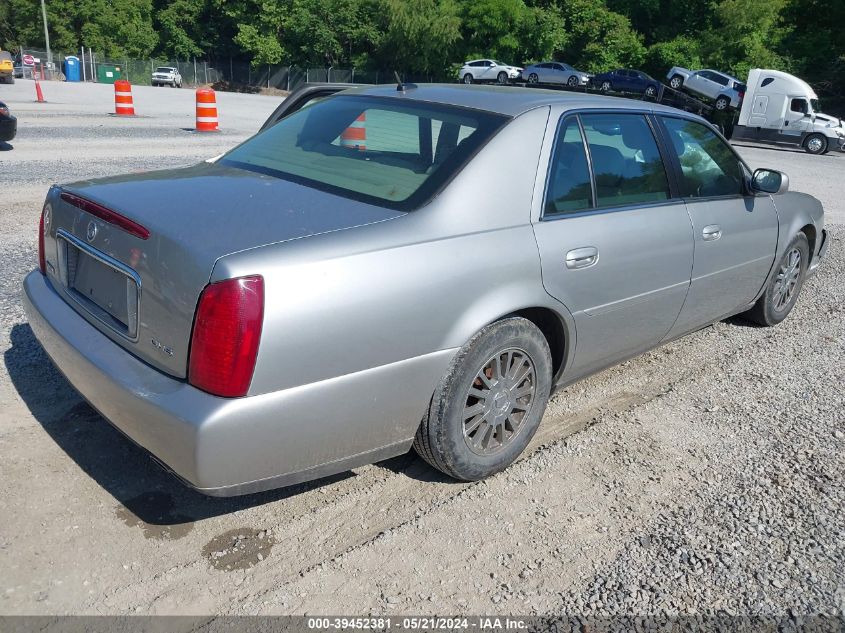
(780, 108)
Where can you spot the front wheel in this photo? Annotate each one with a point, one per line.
(572, 82)
(467, 79)
(489, 404)
(606, 87)
(651, 91)
(782, 292)
(533, 78)
(815, 144)
(502, 78)
(676, 82)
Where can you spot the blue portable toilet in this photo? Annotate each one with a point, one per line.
(71, 68)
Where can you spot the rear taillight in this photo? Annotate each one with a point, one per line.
(106, 214)
(227, 330)
(43, 227)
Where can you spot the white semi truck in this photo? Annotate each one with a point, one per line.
(782, 109)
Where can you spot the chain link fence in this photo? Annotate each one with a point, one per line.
(226, 74)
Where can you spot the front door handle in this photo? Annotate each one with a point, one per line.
(582, 257)
(711, 232)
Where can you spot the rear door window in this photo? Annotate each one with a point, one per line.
(708, 165)
(627, 165)
(569, 189)
(721, 79)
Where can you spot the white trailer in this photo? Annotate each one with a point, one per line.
(780, 108)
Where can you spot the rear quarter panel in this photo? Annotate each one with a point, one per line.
(409, 290)
(427, 281)
(795, 211)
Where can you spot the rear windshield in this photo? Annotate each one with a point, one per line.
(387, 151)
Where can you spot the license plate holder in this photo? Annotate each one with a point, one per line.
(104, 287)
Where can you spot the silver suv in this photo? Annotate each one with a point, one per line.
(724, 89)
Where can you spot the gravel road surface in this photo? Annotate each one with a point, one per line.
(703, 477)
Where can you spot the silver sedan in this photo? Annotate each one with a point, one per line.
(356, 279)
(555, 73)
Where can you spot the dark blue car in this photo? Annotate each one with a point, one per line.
(625, 80)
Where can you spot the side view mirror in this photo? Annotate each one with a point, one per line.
(770, 181)
(807, 115)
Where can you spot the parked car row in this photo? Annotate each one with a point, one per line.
(725, 90)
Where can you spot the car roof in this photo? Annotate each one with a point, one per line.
(506, 100)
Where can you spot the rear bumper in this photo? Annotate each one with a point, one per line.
(226, 447)
(8, 129)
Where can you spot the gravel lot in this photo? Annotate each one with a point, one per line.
(704, 477)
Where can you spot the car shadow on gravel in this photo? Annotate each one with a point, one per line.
(740, 321)
(122, 468)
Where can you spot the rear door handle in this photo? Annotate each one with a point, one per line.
(582, 257)
(711, 232)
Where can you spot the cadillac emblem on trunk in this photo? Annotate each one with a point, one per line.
(91, 232)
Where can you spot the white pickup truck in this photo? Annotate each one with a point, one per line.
(725, 90)
(166, 76)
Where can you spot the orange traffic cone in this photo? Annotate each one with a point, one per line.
(206, 110)
(38, 94)
(356, 134)
(123, 105)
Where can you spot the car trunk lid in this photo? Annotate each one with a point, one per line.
(143, 293)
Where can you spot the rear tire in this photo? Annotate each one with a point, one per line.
(722, 103)
(815, 144)
(467, 79)
(783, 289)
(676, 83)
(476, 426)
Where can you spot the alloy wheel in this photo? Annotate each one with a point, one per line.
(787, 280)
(498, 401)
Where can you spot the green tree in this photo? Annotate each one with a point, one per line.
(745, 35)
(680, 51)
(600, 39)
(419, 35)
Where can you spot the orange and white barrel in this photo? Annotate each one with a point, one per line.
(206, 110)
(356, 134)
(123, 105)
